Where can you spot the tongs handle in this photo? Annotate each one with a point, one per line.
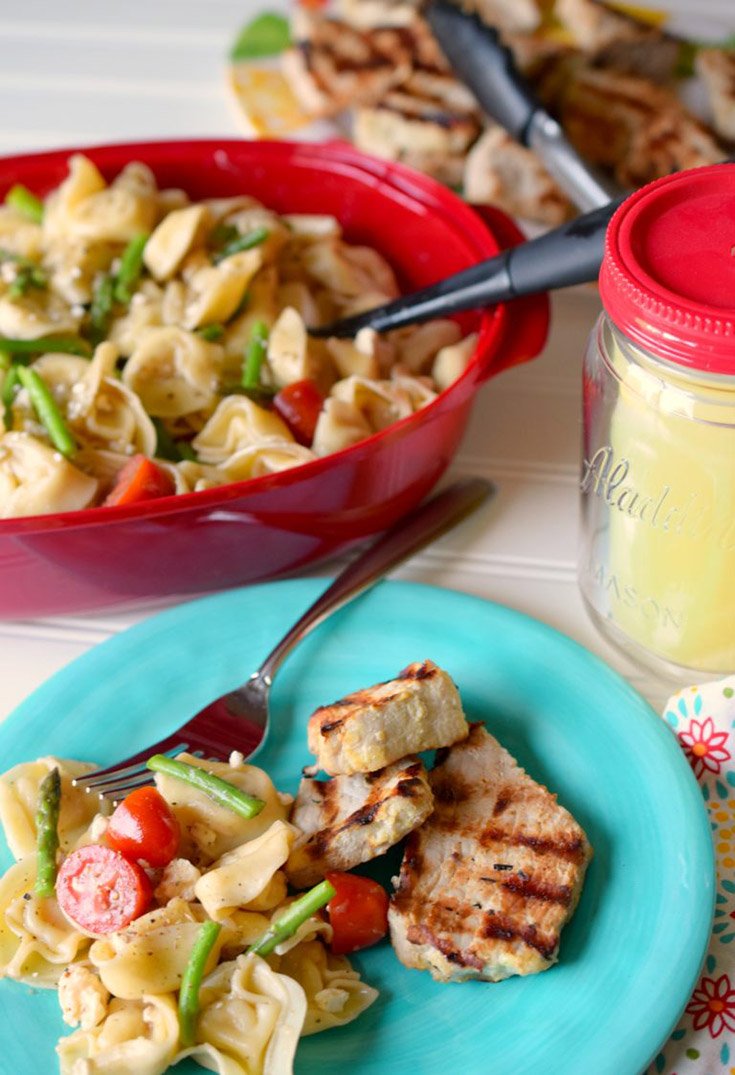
(478, 57)
(485, 65)
(570, 254)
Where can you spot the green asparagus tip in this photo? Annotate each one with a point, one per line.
(48, 412)
(219, 790)
(23, 201)
(47, 833)
(294, 916)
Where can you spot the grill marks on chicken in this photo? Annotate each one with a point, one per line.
(610, 79)
(334, 65)
(352, 819)
(418, 710)
(488, 882)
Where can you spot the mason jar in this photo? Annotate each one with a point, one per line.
(657, 557)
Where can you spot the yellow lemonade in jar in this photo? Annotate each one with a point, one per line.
(657, 563)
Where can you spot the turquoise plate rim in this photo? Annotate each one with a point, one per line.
(569, 719)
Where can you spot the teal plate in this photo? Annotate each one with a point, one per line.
(631, 955)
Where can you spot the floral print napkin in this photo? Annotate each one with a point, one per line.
(703, 1043)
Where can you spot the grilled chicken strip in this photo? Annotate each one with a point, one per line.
(619, 41)
(369, 13)
(429, 121)
(717, 70)
(499, 171)
(333, 65)
(352, 819)
(639, 130)
(373, 727)
(488, 882)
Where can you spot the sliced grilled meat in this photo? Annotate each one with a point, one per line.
(373, 727)
(351, 819)
(627, 124)
(333, 65)
(619, 41)
(488, 882)
(499, 171)
(717, 69)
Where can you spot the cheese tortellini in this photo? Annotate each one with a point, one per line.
(184, 325)
(119, 990)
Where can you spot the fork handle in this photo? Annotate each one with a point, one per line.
(408, 536)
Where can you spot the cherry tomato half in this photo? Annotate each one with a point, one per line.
(358, 912)
(140, 479)
(144, 827)
(299, 405)
(100, 890)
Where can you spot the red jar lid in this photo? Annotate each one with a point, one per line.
(668, 274)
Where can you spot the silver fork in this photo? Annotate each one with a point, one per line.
(239, 720)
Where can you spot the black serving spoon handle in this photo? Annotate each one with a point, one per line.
(570, 254)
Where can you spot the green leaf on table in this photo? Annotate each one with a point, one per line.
(266, 35)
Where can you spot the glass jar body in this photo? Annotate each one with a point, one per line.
(657, 556)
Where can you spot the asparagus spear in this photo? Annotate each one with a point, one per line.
(101, 309)
(66, 345)
(21, 198)
(131, 266)
(47, 410)
(47, 828)
(192, 980)
(243, 242)
(220, 791)
(254, 355)
(295, 914)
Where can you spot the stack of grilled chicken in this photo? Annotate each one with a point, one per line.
(612, 81)
(492, 867)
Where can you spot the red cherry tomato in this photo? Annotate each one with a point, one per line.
(358, 912)
(299, 405)
(140, 479)
(144, 828)
(100, 890)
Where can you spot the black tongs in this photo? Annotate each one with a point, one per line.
(570, 254)
(480, 60)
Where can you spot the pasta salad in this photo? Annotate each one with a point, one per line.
(167, 930)
(151, 345)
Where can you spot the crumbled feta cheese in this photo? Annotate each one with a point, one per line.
(177, 880)
(82, 996)
(332, 1000)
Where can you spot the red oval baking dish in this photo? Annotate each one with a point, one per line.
(105, 558)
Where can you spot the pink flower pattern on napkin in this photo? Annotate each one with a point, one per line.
(703, 1043)
(704, 746)
(713, 1005)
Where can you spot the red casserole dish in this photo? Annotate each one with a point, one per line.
(269, 526)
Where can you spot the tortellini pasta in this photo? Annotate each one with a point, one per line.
(238, 423)
(36, 941)
(173, 372)
(119, 990)
(249, 876)
(140, 1036)
(19, 797)
(150, 956)
(35, 478)
(210, 829)
(189, 324)
(251, 1020)
(335, 995)
(85, 207)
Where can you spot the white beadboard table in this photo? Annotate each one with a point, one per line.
(85, 72)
